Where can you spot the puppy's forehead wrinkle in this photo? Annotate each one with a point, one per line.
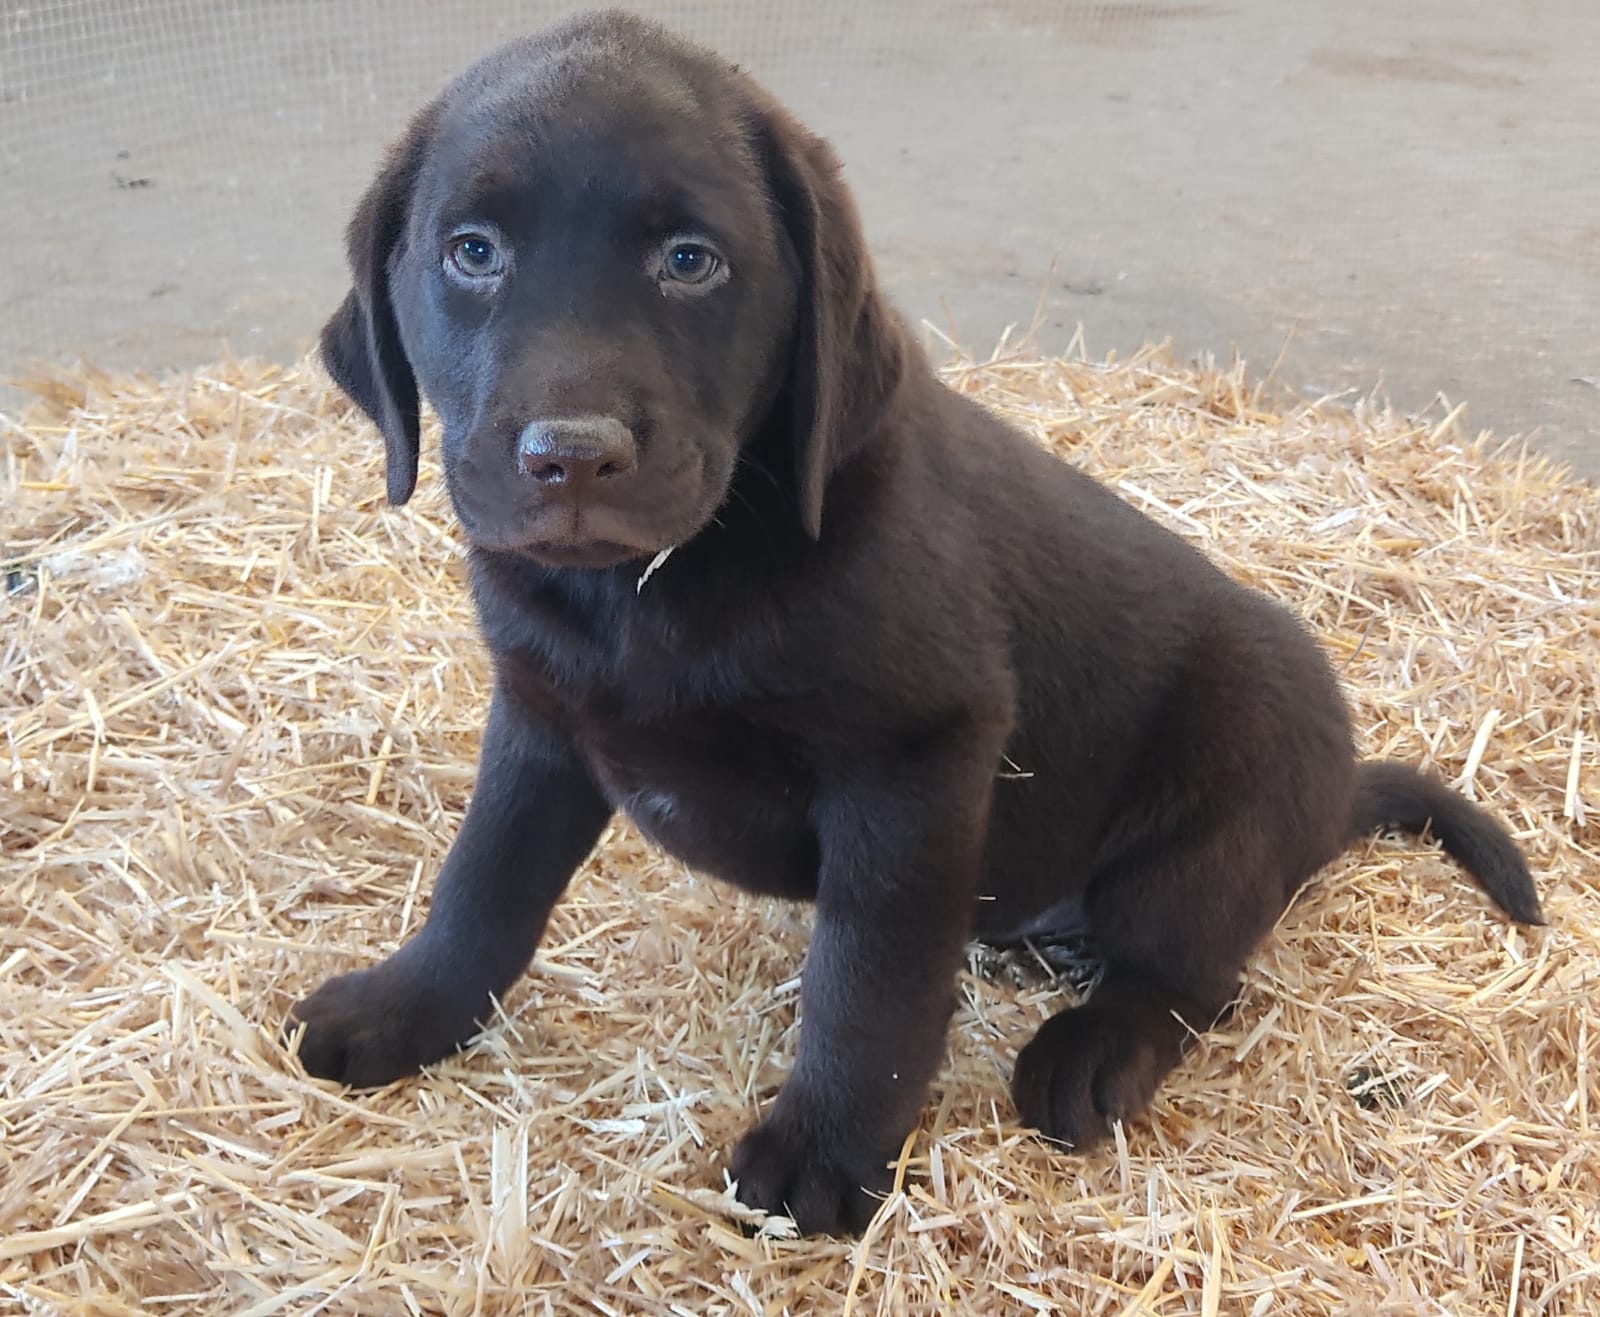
(637, 141)
(684, 177)
(548, 104)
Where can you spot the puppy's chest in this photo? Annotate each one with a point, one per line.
(685, 739)
(615, 668)
(725, 796)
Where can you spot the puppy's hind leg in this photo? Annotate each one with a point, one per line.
(1174, 930)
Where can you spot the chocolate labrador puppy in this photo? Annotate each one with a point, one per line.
(635, 292)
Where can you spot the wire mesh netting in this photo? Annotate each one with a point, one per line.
(1405, 193)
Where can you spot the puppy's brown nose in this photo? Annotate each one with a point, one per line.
(575, 452)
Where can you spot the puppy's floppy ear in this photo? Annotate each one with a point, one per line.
(850, 348)
(361, 344)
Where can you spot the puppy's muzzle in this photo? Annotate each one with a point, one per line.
(574, 457)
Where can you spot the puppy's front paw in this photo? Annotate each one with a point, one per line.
(804, 1170)
(374, 1026)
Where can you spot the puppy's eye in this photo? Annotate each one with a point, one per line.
(690, 263)
(475, 256)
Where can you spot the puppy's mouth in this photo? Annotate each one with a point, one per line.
(589, 530)
(564, 534)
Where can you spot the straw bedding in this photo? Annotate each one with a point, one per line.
(240, 702)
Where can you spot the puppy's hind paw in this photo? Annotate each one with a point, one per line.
(1092, 1065)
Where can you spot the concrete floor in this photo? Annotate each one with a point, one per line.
(1409, 192)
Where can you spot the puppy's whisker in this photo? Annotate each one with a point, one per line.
(745, 459)
(750, 506)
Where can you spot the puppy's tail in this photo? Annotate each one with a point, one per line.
(1397, 796)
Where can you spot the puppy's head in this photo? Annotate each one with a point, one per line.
(610, 261)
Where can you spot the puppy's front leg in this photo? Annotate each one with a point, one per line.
(895, 895)
(534, 815)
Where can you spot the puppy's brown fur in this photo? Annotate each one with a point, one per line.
(636, 294)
